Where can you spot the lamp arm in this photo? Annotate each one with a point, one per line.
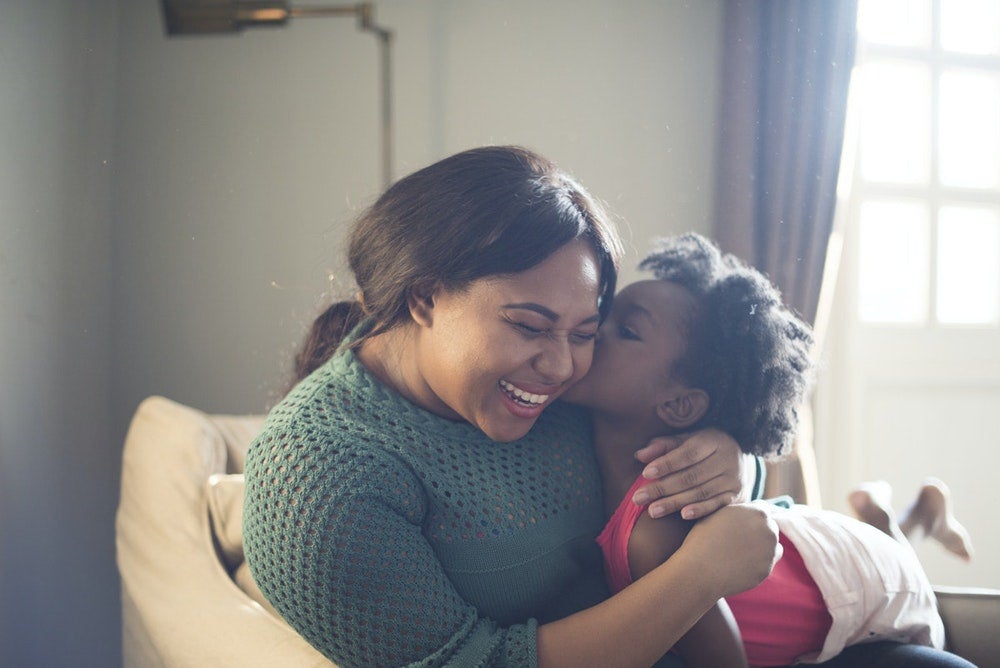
(365, 12)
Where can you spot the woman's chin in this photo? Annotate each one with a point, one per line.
(509, 426)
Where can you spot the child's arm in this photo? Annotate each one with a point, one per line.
(715, 639)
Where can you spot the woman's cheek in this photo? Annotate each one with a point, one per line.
(583, 361)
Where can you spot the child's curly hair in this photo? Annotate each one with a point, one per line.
(743, 346)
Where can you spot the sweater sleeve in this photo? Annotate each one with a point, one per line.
(349, 568)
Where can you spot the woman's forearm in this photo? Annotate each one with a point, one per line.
(635, 627)
(730, 551)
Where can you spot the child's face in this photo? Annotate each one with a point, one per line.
(636, 349)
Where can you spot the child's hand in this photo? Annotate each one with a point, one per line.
(738, 545)
(698, 474)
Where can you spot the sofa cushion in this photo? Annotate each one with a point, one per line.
(225, 508)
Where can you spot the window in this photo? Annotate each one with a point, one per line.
(926, 191)
(911, 381)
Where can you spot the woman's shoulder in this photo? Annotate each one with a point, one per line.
(309, 446)
(327, 414)
(338, 390)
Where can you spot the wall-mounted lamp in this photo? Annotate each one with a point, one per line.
(184, 17)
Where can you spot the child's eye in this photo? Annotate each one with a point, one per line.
(627, 332)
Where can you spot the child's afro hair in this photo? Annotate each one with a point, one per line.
(744, 347)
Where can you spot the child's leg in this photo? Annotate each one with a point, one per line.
(872, 503)
(930, 515)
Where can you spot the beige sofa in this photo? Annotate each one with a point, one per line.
(187, 595)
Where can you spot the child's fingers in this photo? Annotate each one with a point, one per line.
(679, 456)
(657, 448)
(695, 511)
(698, 501)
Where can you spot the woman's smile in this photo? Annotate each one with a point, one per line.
(522, 396)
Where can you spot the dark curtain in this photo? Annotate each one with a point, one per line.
(786, 70)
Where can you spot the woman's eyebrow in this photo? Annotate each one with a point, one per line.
(547, 312)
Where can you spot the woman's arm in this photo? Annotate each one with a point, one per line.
(730, 551)
(697, 474)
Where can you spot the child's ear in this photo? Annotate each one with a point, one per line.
(684, 408)
(420, 302)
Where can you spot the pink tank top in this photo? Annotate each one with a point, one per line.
(782, 618)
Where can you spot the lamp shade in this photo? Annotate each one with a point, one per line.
(218, 16)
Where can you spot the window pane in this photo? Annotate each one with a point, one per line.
(895, 22)
(893, 262)
(895, 122)
(968, 265)
(970, 130)
(971, 26)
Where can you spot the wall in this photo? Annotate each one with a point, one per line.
(57, 461)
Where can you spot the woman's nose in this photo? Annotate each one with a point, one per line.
(555, 362)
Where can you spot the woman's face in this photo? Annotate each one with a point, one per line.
(498, 352)
(639, 342)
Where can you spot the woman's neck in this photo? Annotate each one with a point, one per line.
(389, 357)
(615, 444)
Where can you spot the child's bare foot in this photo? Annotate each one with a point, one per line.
(931, 515)
(872, 503)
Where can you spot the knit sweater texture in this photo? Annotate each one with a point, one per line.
(386, 535)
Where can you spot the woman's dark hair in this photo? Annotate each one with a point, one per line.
(744, 348)
(482, 212)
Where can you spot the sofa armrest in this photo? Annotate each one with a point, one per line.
(179, 606)
(971, 618)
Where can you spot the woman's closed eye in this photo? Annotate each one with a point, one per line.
(575, 337)
(527, 329)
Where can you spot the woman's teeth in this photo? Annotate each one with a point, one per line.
(519, 395)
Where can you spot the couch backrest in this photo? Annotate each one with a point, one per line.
(180, 606)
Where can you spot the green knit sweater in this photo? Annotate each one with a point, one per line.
(386, 535)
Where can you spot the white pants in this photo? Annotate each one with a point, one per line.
(873, 585)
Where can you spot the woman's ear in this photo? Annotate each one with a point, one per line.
(420, 301)
(684, 408)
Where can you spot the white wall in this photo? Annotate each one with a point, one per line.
(58, 464)
(172, 211)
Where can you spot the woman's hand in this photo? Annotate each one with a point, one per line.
(728, 552)
(737, 546)
(698, 474)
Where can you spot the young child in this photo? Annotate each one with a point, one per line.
(707, 343)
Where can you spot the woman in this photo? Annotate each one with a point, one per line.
(419, 498)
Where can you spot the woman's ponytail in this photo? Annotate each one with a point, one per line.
(325, 335)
